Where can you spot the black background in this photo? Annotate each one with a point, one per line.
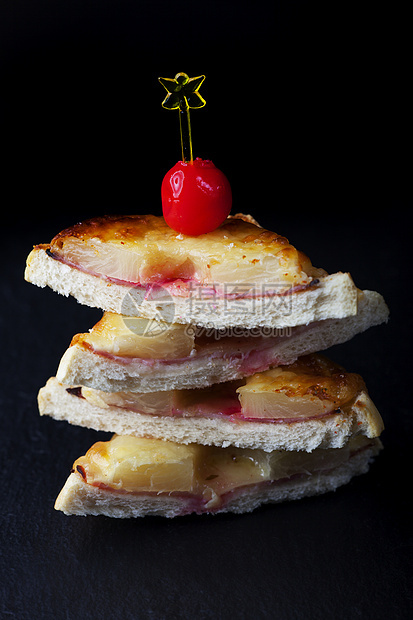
(308, 115)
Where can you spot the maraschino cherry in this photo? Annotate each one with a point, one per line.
(196, 195)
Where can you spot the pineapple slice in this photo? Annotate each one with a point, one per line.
(220, 399)
(152, 403)
(136, 464)
(134, 336)
(312, 386)
(133, 463)
(126, 336)
(142, 249)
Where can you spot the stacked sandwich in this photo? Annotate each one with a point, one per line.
(205, 367)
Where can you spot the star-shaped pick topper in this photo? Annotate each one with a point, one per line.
(183, 95)
(182, 92)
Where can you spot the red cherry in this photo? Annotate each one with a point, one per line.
(196, 197)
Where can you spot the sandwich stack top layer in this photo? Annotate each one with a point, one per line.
(237, 275)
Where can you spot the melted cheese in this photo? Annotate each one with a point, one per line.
(312, 386)
(142, 249)
(126, 336)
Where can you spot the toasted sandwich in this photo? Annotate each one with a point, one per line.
(204, 365)
(136, 477)
(237, 275)
(309, 404)
(133, 354)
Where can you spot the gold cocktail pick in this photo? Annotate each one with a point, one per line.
(183, 95)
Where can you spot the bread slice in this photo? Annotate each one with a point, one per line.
(61, 403)
(237, 275)
(310, 404)
(225, 489)
(208, 362)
